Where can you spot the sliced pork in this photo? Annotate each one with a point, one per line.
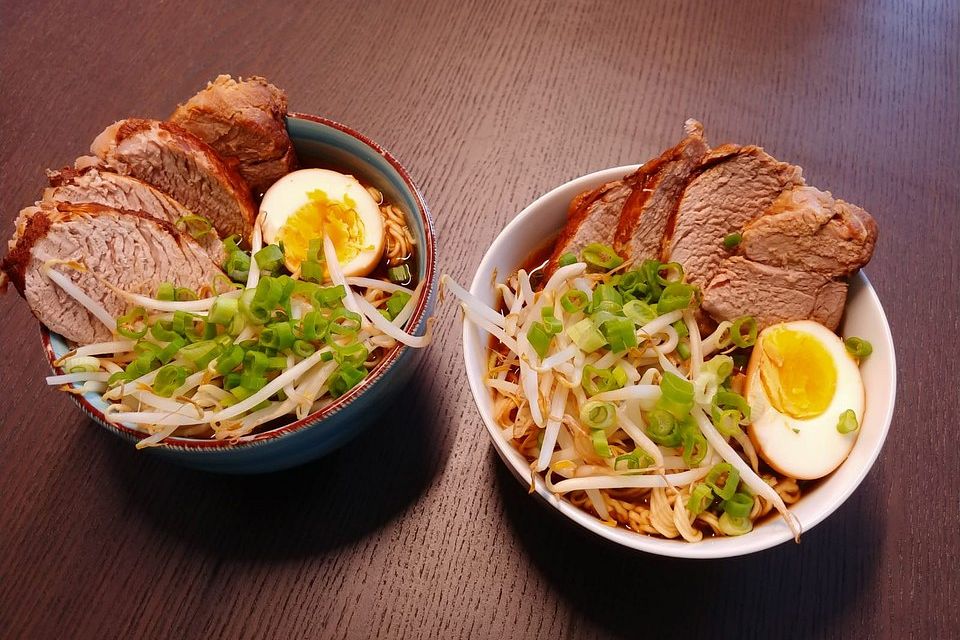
(128, 194)
(773, 294)
(734, 185)
(130, 250)
(657, 186)
(181, 165)
(593, 217)
(807, 229)
(244, 120)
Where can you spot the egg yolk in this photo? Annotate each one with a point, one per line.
(338, 219)
(797, 372)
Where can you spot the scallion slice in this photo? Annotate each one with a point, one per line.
(739, 505)
(858, 347)
(600, 257)
(700, 498)
(400, 274)
(743, 333)
(598, 415)
(723, 478)
(586, 335)
(848, 422)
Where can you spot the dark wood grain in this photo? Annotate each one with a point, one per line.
(488, 105)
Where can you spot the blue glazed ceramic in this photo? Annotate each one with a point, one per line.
(326, 143)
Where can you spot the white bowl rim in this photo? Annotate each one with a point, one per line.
(708, 548)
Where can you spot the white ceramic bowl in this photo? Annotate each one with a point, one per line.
(864, 317)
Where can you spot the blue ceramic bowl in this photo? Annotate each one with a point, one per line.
(320, 142)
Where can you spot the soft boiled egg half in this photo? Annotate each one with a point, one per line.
(800, 379)
(306, 204)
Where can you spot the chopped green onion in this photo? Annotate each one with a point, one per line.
(723, 479)
(620, 334)
(278, 335)
(639, 312)
(161, 331)
(858, 347)
(847, 422)
(721, 366)
(727, 421)
(566, 260)
(276, 362)
(732, 240)
(302, 348)
(312, 271)
(229, 360)
(237, 266)
(255, 361)
(638, 459)
(400, 274)
(251, 381)
(607, 293)
(651, 273)
(744, 331)
(169, 378)
(185, 293)
(694, 444)
(125, 324)
(223, 310)
(269, 259)
(600, 257)
(166, 291)
(200, 353)
(676, 395)
(700, 499)
(683, 350)
(197, 226)
(630, 281)
(346, 377)
(81, 364)
(313, 326)
(539, 338)
(663, 428)
(574, 300)
(734, 526)
(353, 353)
(344, 322)
(600, 444)
(170, 351)
(670, 273)
(315, 250)
(739, 505)
(329, 296)
(596, 380)
(550, 321)
(598, 415)
(396, 302)
(681, 328)
(676, 295)
(730, 400)
(586, 336)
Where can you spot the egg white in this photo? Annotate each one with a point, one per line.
(289, 194)
(812, 447)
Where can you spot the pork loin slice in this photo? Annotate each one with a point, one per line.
(807, 229)
(773, 294)
(593, 218)
(129, 249)
(125, 193)
(657, 186)
(181, 165)
(734, 185)
(244, 120)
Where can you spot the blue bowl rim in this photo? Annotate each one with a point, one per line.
(377, 373)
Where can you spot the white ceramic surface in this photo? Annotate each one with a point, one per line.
(864, 317)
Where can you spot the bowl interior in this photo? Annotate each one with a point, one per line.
(329, 144)
(864, 317)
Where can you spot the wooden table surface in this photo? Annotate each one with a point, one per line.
(488, 105)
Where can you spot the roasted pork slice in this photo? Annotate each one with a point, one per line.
(806, 229)
(593, 218)
(127, 193)
(92, 245)
(181, 165)
(773, 294)
(733, 186)
(657, 187)
(244, 120)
